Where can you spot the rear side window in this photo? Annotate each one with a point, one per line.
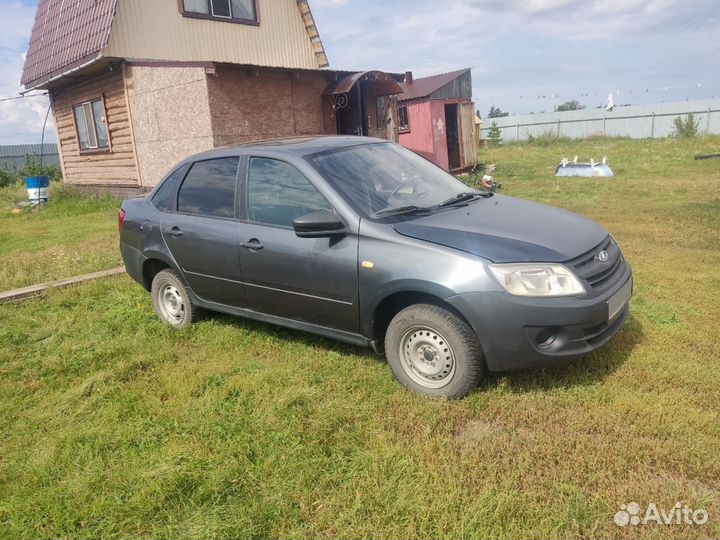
(209, 188)
(164, 198)
(279, 193)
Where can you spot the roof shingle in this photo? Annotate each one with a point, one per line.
(66, 32)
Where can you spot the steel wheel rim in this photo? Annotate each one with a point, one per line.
(171, 304)
(427, 357)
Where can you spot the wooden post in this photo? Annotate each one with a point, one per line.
(652, 126)
(558, 128)
(707, 129)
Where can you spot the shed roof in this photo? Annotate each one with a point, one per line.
(66, 34)
(425, 86)
(22, 150)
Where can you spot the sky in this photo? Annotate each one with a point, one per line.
(526, 55)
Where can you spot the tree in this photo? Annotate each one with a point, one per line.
(494, 135)
(573, 105)
(496, 112)
(687, 128)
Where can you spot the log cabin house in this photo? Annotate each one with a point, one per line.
(137, 85)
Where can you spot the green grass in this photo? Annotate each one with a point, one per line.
(72, 235)
(116, 426)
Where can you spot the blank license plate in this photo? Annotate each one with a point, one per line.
(618, 301)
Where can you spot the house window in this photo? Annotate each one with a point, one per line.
(242, 11)
(403, 120)
(92, 131)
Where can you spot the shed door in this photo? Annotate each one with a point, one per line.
(468, 145)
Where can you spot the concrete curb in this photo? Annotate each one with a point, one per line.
(36, 290)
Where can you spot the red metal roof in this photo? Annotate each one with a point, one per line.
(66, 33)
(425, 86)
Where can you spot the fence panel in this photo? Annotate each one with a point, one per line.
(637, 121)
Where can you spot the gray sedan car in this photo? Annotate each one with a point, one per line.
(363, 241)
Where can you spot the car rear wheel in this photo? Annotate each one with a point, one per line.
(171, 300)
(433, 351)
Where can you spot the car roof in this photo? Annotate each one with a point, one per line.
(298, 146)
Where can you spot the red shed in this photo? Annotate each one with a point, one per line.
(436, 119)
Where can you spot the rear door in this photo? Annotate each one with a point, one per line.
(307, 279)
(202, 234)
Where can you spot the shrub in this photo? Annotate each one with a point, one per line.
(687, 128)
(32, 168)
(8, 176)
(12, 175)
(494, 135)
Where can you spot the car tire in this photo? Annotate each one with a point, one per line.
(171, 300)
(434, 352)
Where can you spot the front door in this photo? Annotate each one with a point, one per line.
(203, 234)
(308, 279)
(351, 115)
(453, 136)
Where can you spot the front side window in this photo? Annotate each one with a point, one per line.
(91, 123)
(209, 188)
(278, 193)
(376, 178)
(234, 10)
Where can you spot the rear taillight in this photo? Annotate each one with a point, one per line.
(121, 220)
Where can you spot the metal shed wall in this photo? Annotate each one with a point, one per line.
(14, 156)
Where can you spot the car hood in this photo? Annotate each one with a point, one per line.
(505, 229)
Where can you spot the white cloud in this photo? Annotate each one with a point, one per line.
(21, 120)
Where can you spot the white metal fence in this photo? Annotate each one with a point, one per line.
(637, 121)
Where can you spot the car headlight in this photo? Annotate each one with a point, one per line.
(537, 279)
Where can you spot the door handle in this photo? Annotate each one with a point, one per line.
(252, 244)
(175, 232)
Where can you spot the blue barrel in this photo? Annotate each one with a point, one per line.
(37, 188)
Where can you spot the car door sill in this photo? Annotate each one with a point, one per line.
(331, 333)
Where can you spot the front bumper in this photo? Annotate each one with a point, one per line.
(513, 329)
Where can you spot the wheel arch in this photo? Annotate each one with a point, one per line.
(154, 263)
(392, 303)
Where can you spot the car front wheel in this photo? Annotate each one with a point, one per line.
(171, 300)
(433, 351)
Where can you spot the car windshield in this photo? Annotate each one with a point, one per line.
(383, 179)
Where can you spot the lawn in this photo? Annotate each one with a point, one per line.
(116, 426)
(73, 235)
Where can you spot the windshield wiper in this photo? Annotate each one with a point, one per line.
(401, 210)
(463, 196)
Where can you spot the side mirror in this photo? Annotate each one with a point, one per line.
(320, 224)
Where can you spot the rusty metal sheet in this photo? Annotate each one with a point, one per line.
(383, 84)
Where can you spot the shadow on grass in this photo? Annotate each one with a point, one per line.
(298, 337)
(587, 370)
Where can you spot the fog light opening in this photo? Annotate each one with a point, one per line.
(546, 337)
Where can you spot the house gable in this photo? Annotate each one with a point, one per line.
(158, 30)
(70, 35)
